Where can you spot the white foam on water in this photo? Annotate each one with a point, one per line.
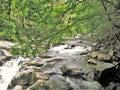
(10, 68)
(8, 71)
(75, 50)
(58, 48)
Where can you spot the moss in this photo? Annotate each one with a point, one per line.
(34, 64)
(39, 86)
(55, 60)
(111, 52)
(94, 54)
(92, 61)
(48, 66)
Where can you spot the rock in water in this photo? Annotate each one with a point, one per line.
(93, 54)
(110, 75)
(85, 85)
(92, 61)
(72, 72)
(24, 78)
(18, 87)
(57, 82)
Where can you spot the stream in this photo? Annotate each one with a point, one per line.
(64, 66)
(8, 71)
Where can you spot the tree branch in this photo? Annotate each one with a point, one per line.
(78, 20)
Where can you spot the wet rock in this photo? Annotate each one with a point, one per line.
(92, 61)
(36, 63)
(4, 52)
(32, 64)
(2, 60)
(54, 60)
(84, 52)
(24, 78)
(113, 86)
(48, 65)
(41, 76)
(57, 82)
(109, 75)
(85, 85)
(4, 56)
(27, 76)
(39, 85)
(93, 54)
(6, 45)
(73, 82)
(37, 71)
(103, 57)
(111, 52)
(68, 47)
(94, 44)
(117, 55)
(72, 72)
(18, 87)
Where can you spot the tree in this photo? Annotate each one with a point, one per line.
(35, 24)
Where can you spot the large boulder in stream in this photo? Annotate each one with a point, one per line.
(109, 75)
(55, 82)
(58, 82)
(72, 72)
(27, 77)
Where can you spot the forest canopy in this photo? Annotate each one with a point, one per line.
(36, 24)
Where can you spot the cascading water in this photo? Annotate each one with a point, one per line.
(75, 50)
(8, 71)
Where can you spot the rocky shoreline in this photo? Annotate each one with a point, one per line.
(60, 69)
(72, 66)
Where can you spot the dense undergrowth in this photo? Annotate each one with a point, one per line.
(36, 24)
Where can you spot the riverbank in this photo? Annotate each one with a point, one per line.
(65, 66)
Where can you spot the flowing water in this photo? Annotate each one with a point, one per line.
(75, 50)
(8, 70)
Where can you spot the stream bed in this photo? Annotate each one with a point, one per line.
(62, 68)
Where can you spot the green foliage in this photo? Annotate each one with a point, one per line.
(36, 24)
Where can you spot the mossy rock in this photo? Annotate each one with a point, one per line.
(93, 54)
(111, 52)
(55, 60)
(33, 64)
(72, 72)
(57, 82)
(104, 57)
(103, 50)
(39, 85)
(48, 65)
(92, 61)
(54, 83)
(23, 78)
(84, 52)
